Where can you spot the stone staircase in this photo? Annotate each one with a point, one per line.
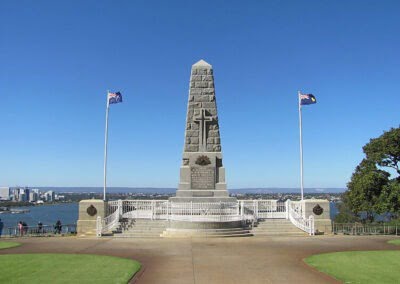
(140, 228)
(276, 227)
(206, 233)
(145, 228)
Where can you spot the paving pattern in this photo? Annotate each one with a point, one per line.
(208, 261)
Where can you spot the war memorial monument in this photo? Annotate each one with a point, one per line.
(202, 206)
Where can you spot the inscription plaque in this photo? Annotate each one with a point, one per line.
(203, 194)
(202, 177)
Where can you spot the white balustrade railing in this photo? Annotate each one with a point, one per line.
(295, 216)
(109, 223)
(242, 210)
(204, 211)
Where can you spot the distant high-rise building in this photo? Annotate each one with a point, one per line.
(15, 194)
(5, 193)
(33, 196)
(49, 196)
(26, 192)
(21, 196)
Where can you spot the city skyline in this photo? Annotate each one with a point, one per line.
(61, 63)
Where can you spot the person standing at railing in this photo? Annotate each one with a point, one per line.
(58, 227)
(25, 228)
(20, 228)
(40, 228)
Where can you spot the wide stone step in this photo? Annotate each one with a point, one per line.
(180, 235)
(137, 236)
(149, 226)
(138, 221)
(206, 233)
(150, 231)
(302, 234)
(275, 228)
(277, 232)
(208, 236)
(147, 222)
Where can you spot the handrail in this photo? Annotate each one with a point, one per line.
(43, 230)
(307, 225)
(108, 223)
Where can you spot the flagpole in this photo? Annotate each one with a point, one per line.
(105, 151)
(301, 148)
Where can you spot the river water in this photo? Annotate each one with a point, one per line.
(67, 213)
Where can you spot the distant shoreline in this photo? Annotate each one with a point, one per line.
(155, 190)
(7, 204)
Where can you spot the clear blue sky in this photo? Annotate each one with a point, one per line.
(58, 59)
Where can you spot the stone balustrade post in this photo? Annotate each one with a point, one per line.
(287, 204)
(120, 210)
(99, 226)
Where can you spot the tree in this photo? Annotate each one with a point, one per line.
(365, 188)
(370, 189)
(345, 214)
(389, 200)
(385, 150)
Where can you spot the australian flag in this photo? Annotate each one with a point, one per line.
(114, 98)
(308, 99)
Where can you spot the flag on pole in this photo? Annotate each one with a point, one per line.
(307, 99)
(114, 98)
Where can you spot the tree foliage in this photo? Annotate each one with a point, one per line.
(372, 189)
(385, 150)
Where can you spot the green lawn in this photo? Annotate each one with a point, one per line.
(65, 268)
(359, 266)
(394, 242)
(4, 245)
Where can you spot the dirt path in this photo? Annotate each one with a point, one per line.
(229, 260)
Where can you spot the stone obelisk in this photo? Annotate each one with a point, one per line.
(202, 175)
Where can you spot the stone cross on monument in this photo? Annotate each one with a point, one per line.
(202, 119)
(202, 175)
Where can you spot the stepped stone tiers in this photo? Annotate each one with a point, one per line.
(202, 175)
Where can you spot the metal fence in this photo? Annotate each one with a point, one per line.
(36, 231)
(365, 229)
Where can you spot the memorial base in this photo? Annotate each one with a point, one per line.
(320, 210)
(89, 210)
(202, 199)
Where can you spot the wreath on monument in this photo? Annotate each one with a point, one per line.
(203, 160)
(318, 210)
(91, 210)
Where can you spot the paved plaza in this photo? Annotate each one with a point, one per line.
(218, 260)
